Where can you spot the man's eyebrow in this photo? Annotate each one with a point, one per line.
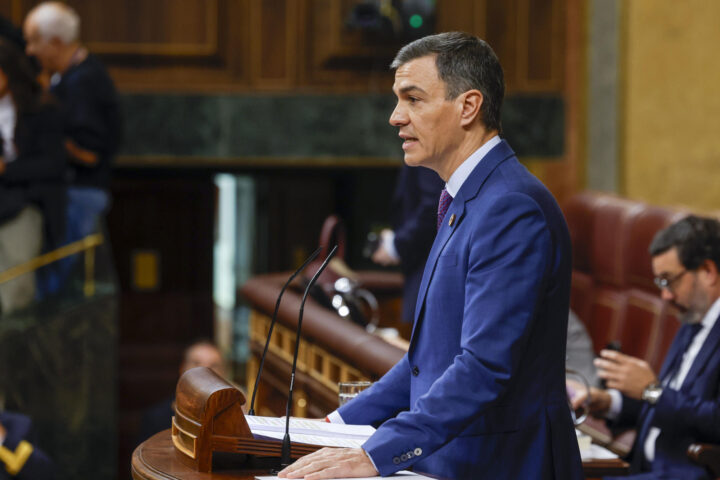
(410, 88)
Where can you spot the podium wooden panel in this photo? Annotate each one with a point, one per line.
(157, 459)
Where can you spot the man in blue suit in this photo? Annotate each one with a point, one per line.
(681, 405)
(481, 391)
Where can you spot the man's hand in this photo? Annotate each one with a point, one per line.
(381, 255)
(2, 165)
(599, 399)
(627, 374)
(80, 155)
(331, 463)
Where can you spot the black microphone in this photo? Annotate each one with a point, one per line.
(285, 457)
(272, 325)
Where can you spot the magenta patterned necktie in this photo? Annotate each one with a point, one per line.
(445, 201)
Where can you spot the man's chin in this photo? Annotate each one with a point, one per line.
(690, 317)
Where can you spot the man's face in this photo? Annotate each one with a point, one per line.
(428, 123)
(686, 292)
(46, 51)
(203, 355)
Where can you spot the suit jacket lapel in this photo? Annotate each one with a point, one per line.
(468, 191)
(710, 346)
(670, 358)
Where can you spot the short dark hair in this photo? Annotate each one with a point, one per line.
(696, 238)
(464, 62)
(24, 89)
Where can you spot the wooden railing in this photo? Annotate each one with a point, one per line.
(332, 349)
(86, 245)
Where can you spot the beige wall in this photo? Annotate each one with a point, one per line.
(669, 115)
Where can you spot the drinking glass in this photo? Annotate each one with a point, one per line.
(349, 390)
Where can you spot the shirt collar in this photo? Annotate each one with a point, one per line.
(461, 174)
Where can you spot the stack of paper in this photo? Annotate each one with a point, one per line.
(310, 432)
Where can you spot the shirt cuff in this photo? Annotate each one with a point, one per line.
(334, 417)
(387, 238)
(616, 402)
(371, 461)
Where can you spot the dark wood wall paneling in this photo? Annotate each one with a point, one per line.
(282, 45)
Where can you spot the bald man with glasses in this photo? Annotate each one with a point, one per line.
(681, 404)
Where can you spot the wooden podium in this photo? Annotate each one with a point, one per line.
(209, 428)
(209, 419)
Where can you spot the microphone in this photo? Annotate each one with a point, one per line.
(272, 325)
(285, 457)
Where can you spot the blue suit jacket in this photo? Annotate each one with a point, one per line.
(414, 207)
(685, 416)
(481, 392)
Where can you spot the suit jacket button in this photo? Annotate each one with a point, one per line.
(410, 454)
(415, 370)
(396, 460)
(418, 452)
(404, 457)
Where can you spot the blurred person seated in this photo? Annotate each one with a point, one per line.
(579, 351)
(19, 456)
(90, 113)
(202, 353)
(681, 404)
(32, 163)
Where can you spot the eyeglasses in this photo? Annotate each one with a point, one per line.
(666, 283)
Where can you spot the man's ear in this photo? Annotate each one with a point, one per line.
(471, 101)
(710, 272)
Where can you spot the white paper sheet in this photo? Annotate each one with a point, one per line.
(596, 452)
(310, 431)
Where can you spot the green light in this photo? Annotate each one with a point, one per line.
(416, 21)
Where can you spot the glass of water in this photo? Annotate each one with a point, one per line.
(349, 390)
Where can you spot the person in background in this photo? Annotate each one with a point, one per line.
(32, 166)
(680, 405)
(202, 353)
(20, 459)
(414, 222)
(90, 113)
(579, 350)
(89, 105)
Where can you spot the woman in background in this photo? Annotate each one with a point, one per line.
(32, 165)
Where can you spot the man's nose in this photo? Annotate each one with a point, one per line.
(398, 118)
(666, 294)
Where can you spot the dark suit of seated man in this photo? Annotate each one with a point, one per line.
(681, 405)
(20, 459)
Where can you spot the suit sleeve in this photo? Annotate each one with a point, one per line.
(629, 414)
(414, 237)
(510, 250)
(678, 411)
(385, 399)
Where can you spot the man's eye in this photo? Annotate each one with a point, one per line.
(412, 99)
